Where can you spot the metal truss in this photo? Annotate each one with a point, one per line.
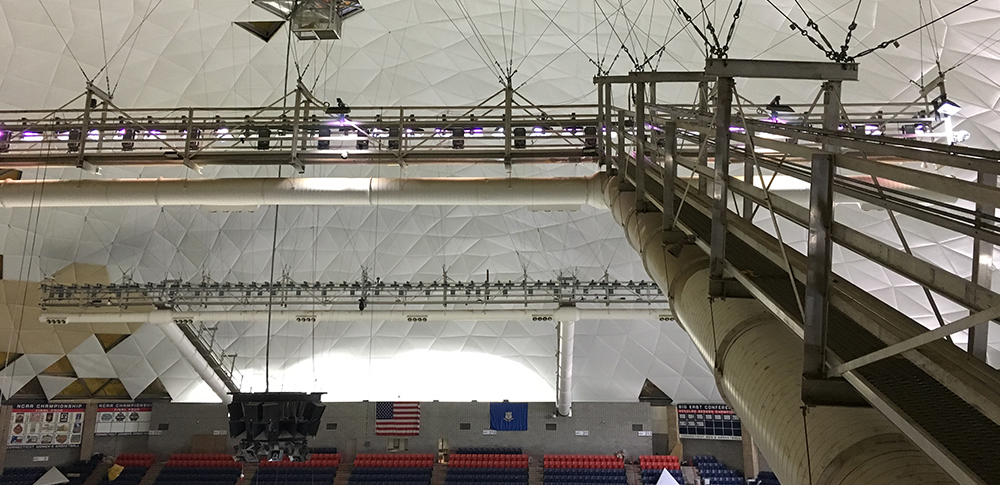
(181, 296)
(504, 129)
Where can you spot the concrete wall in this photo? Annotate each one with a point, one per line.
(609, 426)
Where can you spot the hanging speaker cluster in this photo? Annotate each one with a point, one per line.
(274, 424)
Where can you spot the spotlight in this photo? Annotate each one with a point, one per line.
(264, 138)
(590, 137)
(458, 138)
(324, 138)
(4, 139)
(74, 140)
(519, 137)
(128, 139)
(362, 304)
(362, 143)
(944, 107)
(394, 138)
(341, 108)
(776, 107)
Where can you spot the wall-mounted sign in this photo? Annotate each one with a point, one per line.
(489, 432)
(123, 419)
(46, 425)
(582, 432)
(645, 433)
(708, 421)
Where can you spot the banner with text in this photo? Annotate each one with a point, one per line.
(46, 425)
(123, 419)
(708, 421)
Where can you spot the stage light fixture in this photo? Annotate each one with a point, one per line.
(458, 138)
(944, 107)
(324, 138)
(520, 137)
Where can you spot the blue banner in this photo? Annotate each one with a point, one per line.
(509, 416)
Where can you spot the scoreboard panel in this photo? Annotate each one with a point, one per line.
(708, 421)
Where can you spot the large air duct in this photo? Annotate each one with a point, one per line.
(565, 333)
(758, 367)
(195, 359)
(536, 193)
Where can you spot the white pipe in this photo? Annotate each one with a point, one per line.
(566, 331)
(757, 363)
(163, 317)
(544, 193)
(191, 355)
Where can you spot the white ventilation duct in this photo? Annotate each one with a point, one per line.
(232, 193)
(566, 331)
(757, 363)
(191, 355)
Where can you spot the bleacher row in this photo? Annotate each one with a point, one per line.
(319, 469)
(652, 466)
(716, 473)
(376, 469)
(583, 469)
(478, 466)
(487, 466)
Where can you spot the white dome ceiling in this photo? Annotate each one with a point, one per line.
(424, 52)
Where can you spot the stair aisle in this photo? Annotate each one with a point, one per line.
(151, 474)
(536, 474)
(438, 474)
(249, 470)
(343, 474)
(632, 474)
(98, 474)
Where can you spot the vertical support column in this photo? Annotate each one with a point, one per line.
(831, 110)
(566, 331)
(982, 273)
(622, 157)
(508, 112)
(720, 193)
(669, 173)
(819, 245)
(601, 125)
(89, 423)
(748, 161)
(640, 147)
(751, 459)
(703, 137)
(608, 111)
(654, 137)
(4, 432)
(296, 126)
(85, 129)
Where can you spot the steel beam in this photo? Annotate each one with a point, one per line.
(831, 110)
(820, 245)
(653, 77)
(720, 225)
(668, 175)
(982, 272)
(922, 339)
(753, 68)
(640, 147)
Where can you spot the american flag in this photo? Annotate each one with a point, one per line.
(397, 418)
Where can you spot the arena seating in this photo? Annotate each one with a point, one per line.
(653, 465)
(487, 451)
(136, 465)
(78, 472)
(487, 469)
(392, 469)
(320, 469)
(583, 470)
(767, 478)
(716, 473)
(199, 469)
(21, 475)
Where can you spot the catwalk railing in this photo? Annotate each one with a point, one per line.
(177, 295)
